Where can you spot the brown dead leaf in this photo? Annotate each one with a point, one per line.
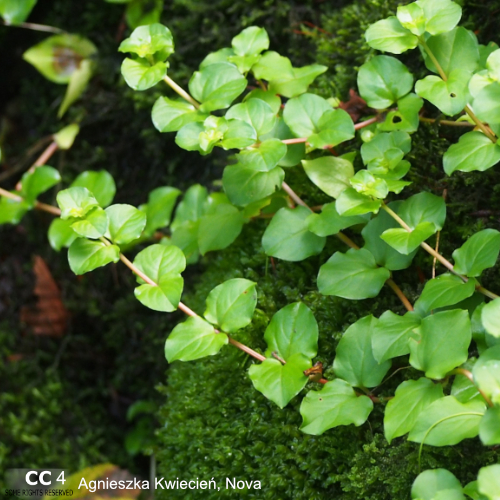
(49, 316)
(355, 106)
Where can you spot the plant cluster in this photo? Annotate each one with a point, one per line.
(278, 125)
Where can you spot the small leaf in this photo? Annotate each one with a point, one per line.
(412, 18)
(367, 184)
(265, 157)
(391, 334)
(449, 96)
(100, 183)
(488, 481)
(298, 83)
(252, 40)
(280, 383)
(491, 317)
(336, 404)
(405, 242)
(354, 361)
(351, 203)
(244, 185)
(383, 142)
(77, 85)
(406, 117)
(423, 207)
(188, 137)
(219, 229)
(412, 396)
(12, 211)
(165, 296)
(256, 113)
(192, 206)
(489, 428)
(139, 12)
(292, 330)
(61, 234)
(478, 253)
(86, 255)
(388, 35)
(272, 66)
(149, 40)
(474, 151)
(445, 290)
(329, 221)
(126, 223)
(486, 104)
(231, 305)
(446, 422)
(34, 183)
(170, 115)
(383, 80)
(159, 208)
(239, 135)
(216, 86)
(441, 343)
(430, 483)
(93, 225)
(140, 75)
(75, 202)
(157, 260)
(287, 237)
(16, 11)
(335, 126)
(193, 339)
(330, 173)
(302, 114)
(66, 136)
(271, 98)
(440, 15)
(353, 275)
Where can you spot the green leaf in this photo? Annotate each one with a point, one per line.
(188, 137)
(464, 389)
(219, 229)
(280, 383)
(165, 297)
(423, 207)
(457, 49)
(100, 183)
(287, 237)
(126, 223)
(171, 115)
(388, 35)
(159, 208)
(336, 404)
(271, 98)
(295, 152)
(16, 11)
(488, 481)
(446, 422)
(470, 489)
(185, 236)
(440, 15)
(406, 117)
(405, 242)
(330, 173)
(432, 484)
(486, 373)
(158, 260)
(61, 234)
(86, 255)
(329, 221)
(239, 134)
(256, 113)
(383, 80)
(474, 151)
(445, 290)
(354, 361)
(367, 184)
(66, 136)
(75, 202)
(384, 254)
(192, 206)
(302, 114)
(412, 18)
(272, 66)
(411, 398)
(77, 85)
(231, 305)
(12, 211)
(353, 275)
(478, 253)
(449, 96)
(149, 40)
(391, 334)
(252, 40)
(292, 330)
(335, 126)
(491, 317)
(244, 185)
(221, 55)
(45, 56)
(298, 83)
(489, 428)
(486, 104)
(141, 75)
(193, 339)
(93, 225)
(441, 343)
(216, 86)
(381, 143)
(141, 12)
(351, 203)
(34, 183)
(265, 157)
